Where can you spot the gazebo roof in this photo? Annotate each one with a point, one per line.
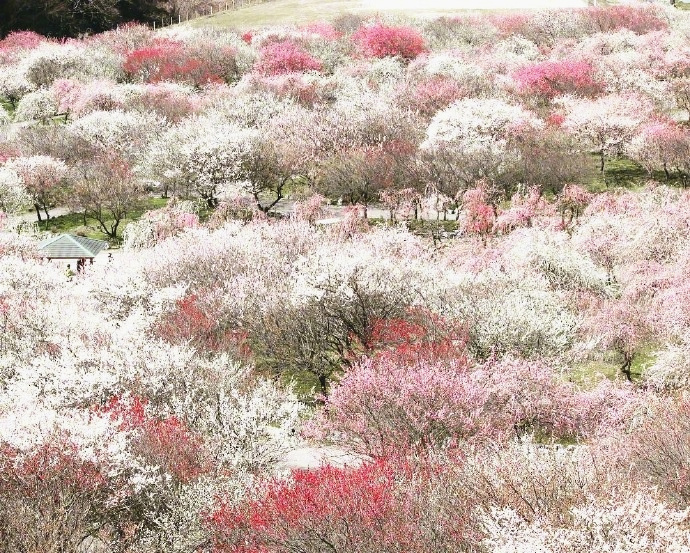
(69, 246)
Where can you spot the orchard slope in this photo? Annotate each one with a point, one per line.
(509, 374)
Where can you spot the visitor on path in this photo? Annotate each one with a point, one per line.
(69, 273)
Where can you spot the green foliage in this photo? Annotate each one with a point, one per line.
(74, 222)
(71, 18)
(9, 107)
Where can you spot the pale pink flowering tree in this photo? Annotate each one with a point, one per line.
(404, 202)
(432, 94)
(77, 99)
(427, 395)
(237, 208)
(285, 56)
(13, 194)
(621, 326)
(322, 29)
(571, 203)
(311, 209)
(479, 215)
(523, 208)
(607, 124)
(161, 224)
(42, 176)
(663, 145)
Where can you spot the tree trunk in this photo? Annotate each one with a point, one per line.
(323, 384)
(38, 212)
(626, 369)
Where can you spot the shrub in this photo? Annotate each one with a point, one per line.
(380, 41)
(278, 58)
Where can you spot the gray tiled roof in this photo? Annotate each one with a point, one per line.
(69, 246)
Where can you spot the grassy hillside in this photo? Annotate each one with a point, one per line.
(280, 11)
(304, 11)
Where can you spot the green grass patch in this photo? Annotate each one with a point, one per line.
(73, 223)
(588, 374)
(304, 384)
(618, 173)
(9, 108)
(423, 227)
(625, 173)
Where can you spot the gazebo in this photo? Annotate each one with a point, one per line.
(69, 246)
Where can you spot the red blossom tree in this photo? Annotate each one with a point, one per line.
(381, 41)
(51, 499)
(386, 506)
(166, 442)
(195, 321)
(169, 60)
(554, 78)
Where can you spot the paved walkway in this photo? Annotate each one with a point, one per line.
(308, 457)
(30, 216)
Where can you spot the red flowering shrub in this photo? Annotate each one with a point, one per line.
(168, 60)
(164, 442)
(194, 322)
(286, 56)
(554, 78)
(380, 41)
(423, 336)
(384, 506)
(50, 498)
